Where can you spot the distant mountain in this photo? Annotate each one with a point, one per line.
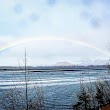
(95, 62)
(63, 64)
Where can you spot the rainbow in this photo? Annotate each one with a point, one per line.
(27, 40)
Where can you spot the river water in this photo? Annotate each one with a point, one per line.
(59, 88)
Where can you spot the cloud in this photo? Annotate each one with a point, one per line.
(45, 52)
(8, 28)
(85, 20)
(95, 23)
(87, 2)
(18, 8)
(85, 15)
(106, 2)
(51, 2)
(33, 17)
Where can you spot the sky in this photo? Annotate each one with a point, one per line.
(86, 21)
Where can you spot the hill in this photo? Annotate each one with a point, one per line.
(63, 64)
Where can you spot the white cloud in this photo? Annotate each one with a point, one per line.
(81, 20)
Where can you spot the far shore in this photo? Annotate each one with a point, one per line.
(54, 68)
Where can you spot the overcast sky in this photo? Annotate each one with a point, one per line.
(87, 21)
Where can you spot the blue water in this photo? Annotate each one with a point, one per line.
(59, 88)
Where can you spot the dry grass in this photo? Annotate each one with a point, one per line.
(106, 107)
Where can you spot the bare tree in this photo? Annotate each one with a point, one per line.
(26, 98)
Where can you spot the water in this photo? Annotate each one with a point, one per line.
(60, 88)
